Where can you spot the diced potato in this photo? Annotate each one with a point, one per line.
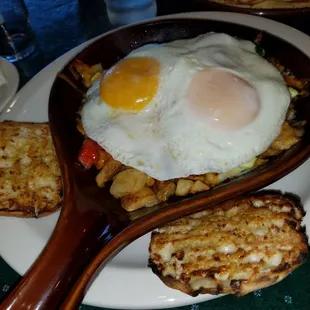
(127, 182)
(95, 77)
(286, 139)
(164, 189)
(150, 181)
(248, 165)
(199, 186)
(196, 178)
(97, 68)
(183, 187)
(107, 172)
(143, 198)
(211, 179)
(259, 162)
(103, 158)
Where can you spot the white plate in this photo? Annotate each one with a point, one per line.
(126, 282)
(12, 78)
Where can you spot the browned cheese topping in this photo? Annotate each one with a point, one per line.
(237, 247)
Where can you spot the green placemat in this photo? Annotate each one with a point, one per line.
(292, 293)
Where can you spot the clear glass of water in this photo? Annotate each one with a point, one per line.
(17, 39)
(122, 12)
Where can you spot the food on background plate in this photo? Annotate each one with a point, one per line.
(181, 117)
(30, 180)
(266, 4)
(237, 247)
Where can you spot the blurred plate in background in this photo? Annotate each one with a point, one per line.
(295, 17)
(8, 90)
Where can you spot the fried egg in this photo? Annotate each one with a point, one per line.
(207, 104)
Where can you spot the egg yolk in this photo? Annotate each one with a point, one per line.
(131, 84)
(222, 99)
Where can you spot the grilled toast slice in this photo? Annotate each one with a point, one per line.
(234, 248)
(30, 180)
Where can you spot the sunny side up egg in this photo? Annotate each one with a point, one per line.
(207, 104)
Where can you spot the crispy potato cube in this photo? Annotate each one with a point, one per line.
(128, 181)
(143, 198)
(150, 181)
(196, 178)
(199, 187)
(259, 162)
(286, 139)
(108, 171)
(211, 179)
(95, 77)
(104, 157)
(164, 189)
(183, 187)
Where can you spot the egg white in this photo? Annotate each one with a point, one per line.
(198, 147)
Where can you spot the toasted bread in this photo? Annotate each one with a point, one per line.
(234, 248)
(30, 180)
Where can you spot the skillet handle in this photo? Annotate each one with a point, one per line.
(76, 239)
(78, 291)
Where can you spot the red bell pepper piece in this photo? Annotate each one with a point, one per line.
(89, 153)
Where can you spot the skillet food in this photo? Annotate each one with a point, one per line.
(202, 153)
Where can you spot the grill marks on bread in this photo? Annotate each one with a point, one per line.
(30, 180)
(237, 247)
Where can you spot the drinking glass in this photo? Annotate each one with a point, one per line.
(17, 39)
(122, 12)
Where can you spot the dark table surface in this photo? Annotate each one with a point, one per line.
(59, 26)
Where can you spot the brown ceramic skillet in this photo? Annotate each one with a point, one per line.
(92, 227)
